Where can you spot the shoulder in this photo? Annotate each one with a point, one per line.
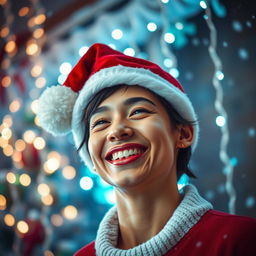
(88, 250)
(226, 219)
(238, 232)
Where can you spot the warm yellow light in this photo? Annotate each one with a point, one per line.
(22, 227)
(32, 49)
(6, 81)
(34, 106)
(69, 172)
(10, 46)
(54, 154)
(25, 179)
(20, 145)
(9, 220)
(6, 133)
(39, 143)
(47, 200)
(29, 136)
(53, 164)
(8, 150)
(36, 71)
(23, 11)
(56, 220)
(4, 32)
(3, 2)
(15, 105)
(70, 212)
(3, 142)
(7, 121)
(36, 121)
(2, 202)
(43, 189)
(40, 82)
(39, 19)
(16, 156)
(11, 177)
(39, 32)
(31, 22)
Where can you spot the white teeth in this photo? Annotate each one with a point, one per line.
(126, 153)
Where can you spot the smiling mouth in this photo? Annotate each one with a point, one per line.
(126, 156)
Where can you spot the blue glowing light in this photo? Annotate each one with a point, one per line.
(250, 202)
(220, 121)
(169, 38)
(243, 54)
(117, 34)
(234, 161)
(129, 52)
(219, 75)
(237, 26)
(203, 4)
(86, 183)
(174, 72)
(62, 78)
(110, 196)
(83, 50)
(152, 26)
(251, 132)
(168, 62)
(65, 68)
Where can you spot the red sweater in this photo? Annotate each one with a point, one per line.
(215, 234)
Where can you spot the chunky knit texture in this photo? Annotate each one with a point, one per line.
(186, 215)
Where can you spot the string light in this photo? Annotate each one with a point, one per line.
(166, 51)
(218, 75)
(169, 38)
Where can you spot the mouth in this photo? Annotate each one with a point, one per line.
(125, 154)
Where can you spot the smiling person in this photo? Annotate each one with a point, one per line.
(134, 125)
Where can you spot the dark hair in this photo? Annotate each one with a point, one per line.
(175, 118)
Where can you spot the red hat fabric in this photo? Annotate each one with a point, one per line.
(61, 108)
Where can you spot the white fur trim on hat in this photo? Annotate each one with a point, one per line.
(55, 109)
(131, 76)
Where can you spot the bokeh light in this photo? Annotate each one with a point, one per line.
(69, 172)
(9, 220)
(70, 212)
(86, 183)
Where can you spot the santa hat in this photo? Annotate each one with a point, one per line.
(61, 108)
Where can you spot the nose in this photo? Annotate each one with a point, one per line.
(120, 132)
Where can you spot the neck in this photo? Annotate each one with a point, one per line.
(142, 214)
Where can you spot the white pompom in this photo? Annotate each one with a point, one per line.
(55, 109)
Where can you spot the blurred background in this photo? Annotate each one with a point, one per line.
(50, 203)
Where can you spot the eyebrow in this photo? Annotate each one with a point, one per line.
(127, 102)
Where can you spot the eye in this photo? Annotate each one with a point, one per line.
(139, 111)
(98, 122)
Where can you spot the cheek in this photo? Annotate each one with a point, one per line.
(94, 146)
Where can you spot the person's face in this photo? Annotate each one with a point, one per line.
(131, 139)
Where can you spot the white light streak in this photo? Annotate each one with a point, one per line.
(228, 167)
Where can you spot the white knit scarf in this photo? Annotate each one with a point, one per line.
(186, 215)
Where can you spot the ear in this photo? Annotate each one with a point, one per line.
(186, 135)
